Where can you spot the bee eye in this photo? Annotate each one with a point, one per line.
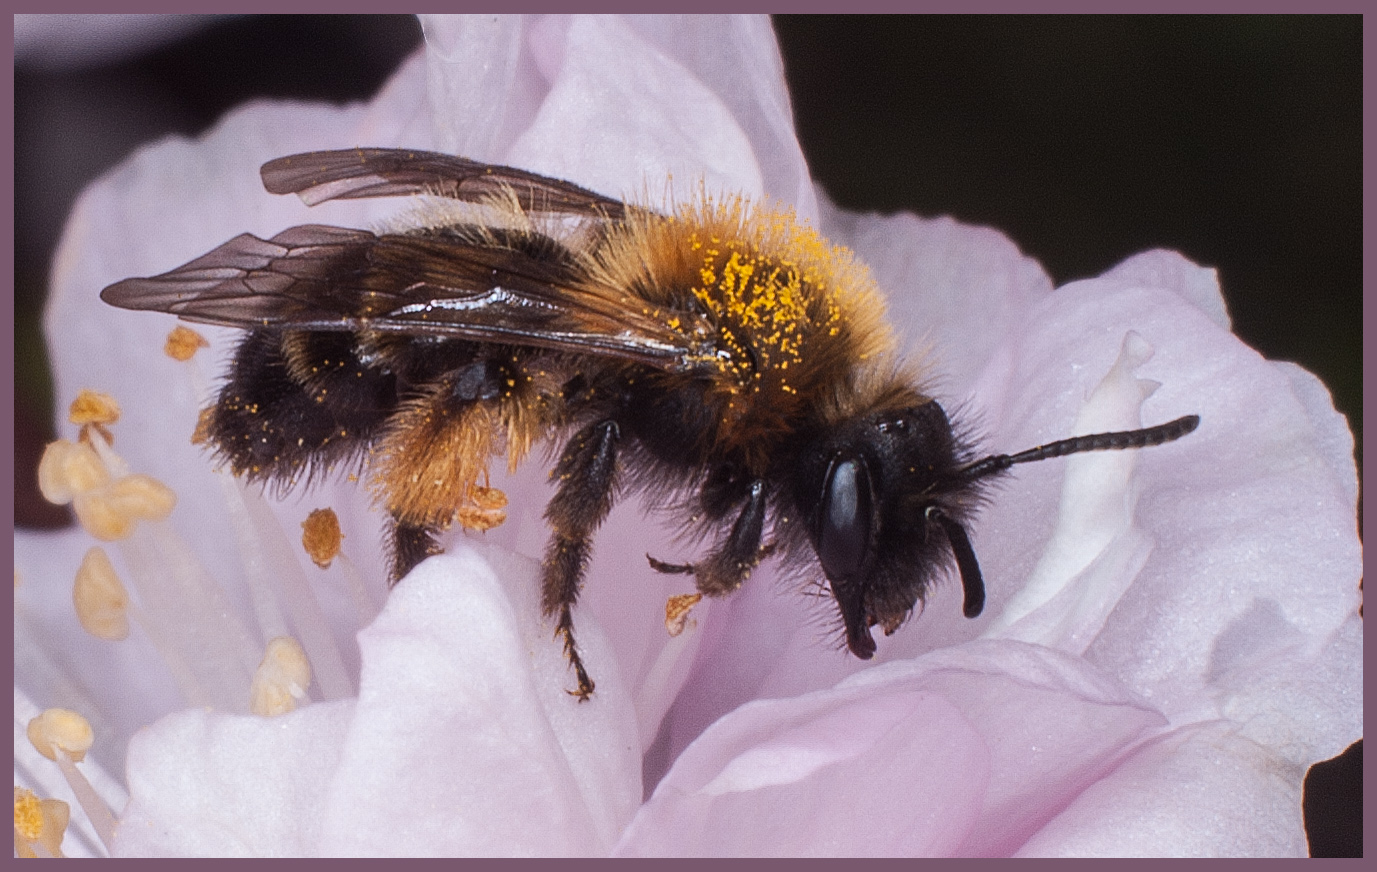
(844, 532)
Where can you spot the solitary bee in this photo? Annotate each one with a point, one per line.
(724, 360)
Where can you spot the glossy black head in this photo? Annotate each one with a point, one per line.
(886, 506)
(888, 496)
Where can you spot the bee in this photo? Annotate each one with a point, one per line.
(725, 361)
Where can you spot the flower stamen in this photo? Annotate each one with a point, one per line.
(39, 824)
(102, 604)
(64, 737)
(677, 612)
(263, 544)
(208, 652)
(323, 541)
(281, 679)
(183, 343)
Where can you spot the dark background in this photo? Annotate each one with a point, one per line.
(1235, 140)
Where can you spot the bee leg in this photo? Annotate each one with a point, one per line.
(411, 543)
(670, 568)
(731, 562)
(587, 477)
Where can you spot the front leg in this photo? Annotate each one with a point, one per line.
(587, 472)
(728, 565)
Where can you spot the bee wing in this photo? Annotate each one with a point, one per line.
(315, 277)
(390, 172)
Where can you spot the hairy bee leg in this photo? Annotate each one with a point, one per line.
(565, 562)
(587, 472)
(411, 543)
(728, 566)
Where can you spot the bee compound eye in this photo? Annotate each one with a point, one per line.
(844, 533)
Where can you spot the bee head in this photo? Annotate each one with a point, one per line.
(891, 494)
(889, 506)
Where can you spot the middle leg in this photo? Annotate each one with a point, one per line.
(731, 562)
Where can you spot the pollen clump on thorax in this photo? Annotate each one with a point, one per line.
(794, 315)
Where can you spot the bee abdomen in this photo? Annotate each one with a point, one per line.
(275, 421)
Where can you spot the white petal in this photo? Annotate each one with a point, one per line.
(1202, 791)
(205, 784)
(466, 741)
(622, 116)
(965, 752)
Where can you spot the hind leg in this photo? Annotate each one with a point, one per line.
(587, 477)
(427, 465)
(409, 544)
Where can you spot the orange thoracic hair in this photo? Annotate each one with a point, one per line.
(801, 327)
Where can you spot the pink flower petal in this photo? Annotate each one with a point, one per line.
(1202, 791)
(464, 717)
(965, 752)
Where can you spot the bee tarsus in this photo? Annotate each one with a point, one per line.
(587, 475)
(670, 568)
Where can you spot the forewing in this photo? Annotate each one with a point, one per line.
(390, 172)
(299, 278)
(316, 277)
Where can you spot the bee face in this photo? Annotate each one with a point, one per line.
(884, 491)
(718, 348)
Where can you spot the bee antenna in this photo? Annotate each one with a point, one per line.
(1148, 436)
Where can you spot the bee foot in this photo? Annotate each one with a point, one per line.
(571, 653)
(670, 568)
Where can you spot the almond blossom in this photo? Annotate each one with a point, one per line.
(1171, 637)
